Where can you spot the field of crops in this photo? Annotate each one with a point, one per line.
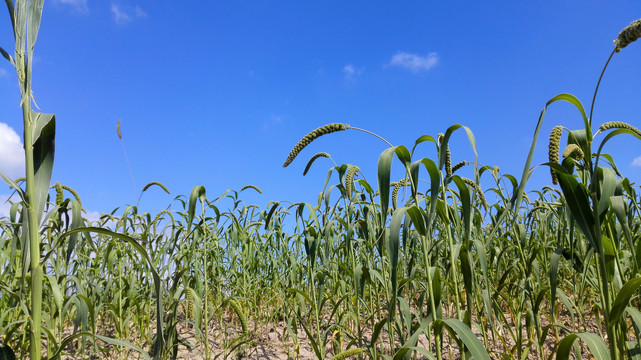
(430, 265)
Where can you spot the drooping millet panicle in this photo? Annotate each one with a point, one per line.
(60, 196)
(159, 184)
(118, 129)
(190, 304)
(553, 150)
(618, 125)
(629, 34)
(315, 134)
(311, 161)
(239, 313)
(448, 162)
(458, 166)
(479, 192)
(349, 179)
(72, 191)
(397, 186)
(251, 187)
(254, 223)
(448, 157)
(347, 353)
(574, 151)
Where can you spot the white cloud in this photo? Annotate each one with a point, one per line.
(413, 62)
(11, 152)
(636, 162)
(3, 72)
(79, 6)
(122, 16)
(350, 71)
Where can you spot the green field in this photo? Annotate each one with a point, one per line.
(428, 265)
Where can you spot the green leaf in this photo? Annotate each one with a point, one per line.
(446, 138)
(597, 346)
(418, 219)
(393, 245)
(20, 28)
(554, 271)
(6, 56)
(607, 187)
(11, 15)
(6, 353)
(516, 199)
(197, 192)
(76, 222)
(35, 14)
(43, 153)
(435, 183)
(458, 329)
(466, 206)
(126, 344)
(384, 168)
(422, 139)
(622, 299)
(578, 201)
(378, 327)
(58, 297)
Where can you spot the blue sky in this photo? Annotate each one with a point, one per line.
(217, 93)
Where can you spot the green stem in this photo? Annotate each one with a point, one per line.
(32, 218)
(597, 86)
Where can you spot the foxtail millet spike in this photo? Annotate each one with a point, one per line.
(251, 187)
(311, 161)
(459, 166)
(239, 313)
(479, 192)
(315, 134)
(619, 125)
(60, 197)
(574, 151)
(349, 179)
(347, 353)
(448, 157)
(629, 34)
(553, 150)
(397, 186)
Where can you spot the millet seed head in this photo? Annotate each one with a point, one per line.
(619, 125)
(629, 34)
(479, 192)
(458, 166)
(397, 186)
(553, 150)
(311, 161)
(315, 134)
(349, 179)
(251, 187)
(574, 151)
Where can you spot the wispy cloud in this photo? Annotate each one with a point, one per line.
(273, 121)
(140, 12)
(78, 6)
(122, 16)
(350, 71)
(636, 162)
(11, 152)
(414, 63)
(3, 72)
